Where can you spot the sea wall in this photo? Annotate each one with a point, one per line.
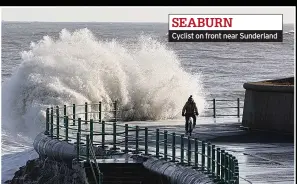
(269, 105)
(55, 160)
(173, 173)
(56, 149)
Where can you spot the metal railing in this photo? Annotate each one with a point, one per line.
(121, 138)
(91, 154)
(217, 106)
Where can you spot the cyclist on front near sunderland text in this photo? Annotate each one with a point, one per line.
(190, 110)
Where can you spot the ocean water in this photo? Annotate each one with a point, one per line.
(47, 64)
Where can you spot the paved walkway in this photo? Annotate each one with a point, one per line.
(263, 157)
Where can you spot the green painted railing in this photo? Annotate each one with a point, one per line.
(91, 126)
(90, 155)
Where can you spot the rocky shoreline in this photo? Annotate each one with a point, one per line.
(45, 171)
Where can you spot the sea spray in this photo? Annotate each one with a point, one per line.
(146, 78)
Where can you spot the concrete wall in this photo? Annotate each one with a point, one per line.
(269, 106)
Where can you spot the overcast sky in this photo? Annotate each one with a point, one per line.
(129, 14)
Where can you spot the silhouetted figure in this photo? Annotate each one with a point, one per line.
(190, 110)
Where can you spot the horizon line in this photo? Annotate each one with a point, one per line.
(27, 21)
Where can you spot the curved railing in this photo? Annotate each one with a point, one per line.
(102, 128)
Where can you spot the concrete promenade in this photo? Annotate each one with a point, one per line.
(263, 157)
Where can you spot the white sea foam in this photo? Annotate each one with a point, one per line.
(146, 78)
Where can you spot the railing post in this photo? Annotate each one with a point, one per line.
(114, 135)
(57, 122)
(146, 141)
(165, 144)
(73, 114)
(115, 111)
(79, 125)
(218, 163)
(214, 107)
(173, 147)
(91, 130)
(52, 122)
(137, 139)
(182, 149)
(100, 112)
(229, 168)
(101, 178)
(103, 134)
(238, 108)
(66, 129)
(223, 166)
(236, 171)
(47, 121)
(126, 138)
(213, 158)
(77, 145)
(88, 147)
(86, 112)
(189, 151)
(203, 155)
(208, 157)
(232, 169)
(226, 167)
(157, 142)
(196, 153)
(65, 110)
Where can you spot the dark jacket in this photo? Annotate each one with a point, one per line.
(190, 108)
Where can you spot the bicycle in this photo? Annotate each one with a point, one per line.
(190, 126)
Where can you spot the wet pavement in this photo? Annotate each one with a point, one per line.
(264, 157)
